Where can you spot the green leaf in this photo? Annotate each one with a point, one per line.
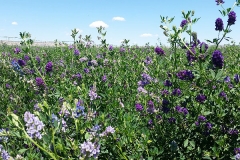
(219, 74)
(185, 144)
(21, 151)
(212, 74)
(192, 143)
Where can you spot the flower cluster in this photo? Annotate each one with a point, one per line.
(219, 24)
(159, 51)
(89, 149)
(148, 60)
(203, 47)
(176, 92)
(108, 130)
(231, 18)
(217, 59)
(4, 138)
(4, 153)
(138, 107)
(146, 79)
(92, 93)
(201, 98)
(49, 66)
(34, 125)
(185, 75)
(183, 23)
(39, 82)
(16, 50)
(190, 56)
(21, 62)
(76, 52)
(181, 110)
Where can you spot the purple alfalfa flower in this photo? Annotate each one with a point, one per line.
(70, 47)
(89, 149)
(150, 122)
(33, 124)
(79, 111)
(8, 86)
(208, 125)
(190, 56)
(201, 118)
(38, 59)
(110, 48)
(89, 63)
(237, 156)
(94, 62)
(219, 2)
(167, 83)
(83, 59)
(197, 123)
(236, 78)
(159, 51)
(148, 60)
(26, 58)
(142, 90)
(233, 131)
(122, 50)
(109, 130)
(231, 18)
(39, 82)
(138, 107)
(92, 94)
(203, 47)
(16, 50)
(237, 150)
(5, 155)
(151, 107)
(86, 70)
(227, 79)
(217, 59)
(183, 23)
(176, 92)
(201, 98)
(181, 110)
(185, 75)
(21, 62)
(49, 66)
(78, 76)
(223, 95)
(219, 24)
(104, 78)
(76, 52)
(164, 92)
(165, 102)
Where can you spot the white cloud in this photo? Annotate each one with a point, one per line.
(98, 24)
(118, 19)
(146, 35)
(14, 23)
(156, 35)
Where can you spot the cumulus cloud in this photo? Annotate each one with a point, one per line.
(98, 24)
(146, 35)
(118, 19)
(14, 23)
(79, 30)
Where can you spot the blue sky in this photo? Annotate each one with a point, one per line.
(136, 20)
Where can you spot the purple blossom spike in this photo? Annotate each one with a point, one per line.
(231, 18)
(219, 24)
(217, 59)
(49, 66)
(159, 51)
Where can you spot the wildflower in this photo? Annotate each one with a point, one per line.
(217, 59)
(49, 66)
(92, 94)
(167, 83)
(110, 48)
(219, 2)
(8, 86)
(139, 107)
(231, 18)
(165, 109)
(38, 59)
(70, 47)
(176, 92)
(165, 102)
(5, 155)
(148, 60)
(236, 78)
(86, 70)
(142, 90)
(172, 120)
(183, 23)
(237, 150)
(34, 125)
(104, 78)
(83, 59)
(26, 58)
(122, 50)
(233, 132)
(164, 92)
(185, 75)
(219, 24)
(237, 156)
(201, 98)
(203, 47)
(159, 51)
(223, 94)
(21, 62)
(201, 118)
(151, 107)
(89, 149)
(76, 52)
(39, 82)
(227, 79)
(17, 50)
(79, 111)
(191, 57)
(208, 125)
